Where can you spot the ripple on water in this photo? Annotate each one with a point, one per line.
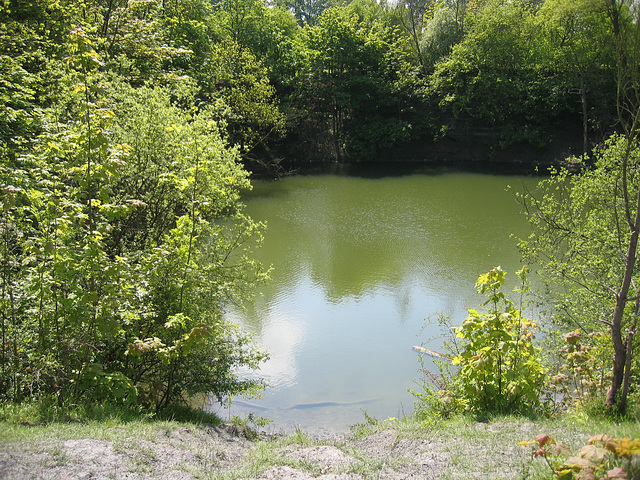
(358, 265)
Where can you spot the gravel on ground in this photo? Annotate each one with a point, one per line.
(185, 452)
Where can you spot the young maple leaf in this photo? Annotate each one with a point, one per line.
(627, 447)
(561, 448)
(606, 441)
(544, 439)
(616, 474)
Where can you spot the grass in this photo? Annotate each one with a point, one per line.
(27, 421)
(461, 446)
(42, 429)
(272, 452)
(489, 449)
(468, 440)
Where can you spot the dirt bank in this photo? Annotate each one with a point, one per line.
(389, 450)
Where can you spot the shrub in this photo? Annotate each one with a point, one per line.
(604, 457)
(581, 374)
(494, 365)
(122, 237)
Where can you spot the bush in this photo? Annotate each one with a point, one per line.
(604, 457)
(493, 365)
(122, 236)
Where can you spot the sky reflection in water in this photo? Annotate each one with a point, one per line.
(358, 265)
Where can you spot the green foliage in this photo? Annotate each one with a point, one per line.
(604, 457)
(439, 389)
(581, 374)
(237, 78)
(306, 12)
(579, 233)
(264, 29)
(123, 236)
(32, 35)
(500, 367)
(356, 80)
(443, 30)
(133, 44)
(522, 67)
(493, 76)
(121, 226)
(341, 80)
(496, 366)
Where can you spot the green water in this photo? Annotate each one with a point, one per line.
(359, 263)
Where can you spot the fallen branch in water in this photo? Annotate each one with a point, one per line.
(431, 353)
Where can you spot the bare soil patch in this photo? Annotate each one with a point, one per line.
(392, 451)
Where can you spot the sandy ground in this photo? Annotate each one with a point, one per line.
(226, 452)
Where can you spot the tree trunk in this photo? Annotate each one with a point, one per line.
(416, 39)
(622, 404)
(585, 117)
(619, 347)
(629, 117)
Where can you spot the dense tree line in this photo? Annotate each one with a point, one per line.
(345, 80)
(128, 127)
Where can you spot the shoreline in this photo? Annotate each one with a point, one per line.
(403, 448)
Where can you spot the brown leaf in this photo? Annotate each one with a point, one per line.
(560, 448)
(593, 453)
(541, 452)
(616, 473)
(603, 437)
(543, 439)
(579, 462)
(587, 473)
(607, 441)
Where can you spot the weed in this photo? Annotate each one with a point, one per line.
(603, 457)
(494, 366)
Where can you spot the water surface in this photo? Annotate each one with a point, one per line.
(359, 263)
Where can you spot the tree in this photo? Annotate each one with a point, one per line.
(431, 28)
(491, 77)
(413, 16)
(581, 44)
(625, 19)
(442, 32)
(257, 26)
(141, 42)
(238, 83)
(357, 84)
(122, 237)
(185, 179)
(306, 12)
(32, 41)
(587, 236)
(581, 239)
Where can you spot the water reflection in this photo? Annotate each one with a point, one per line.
(358, 264)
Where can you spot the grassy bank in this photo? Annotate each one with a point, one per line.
(121, 444)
